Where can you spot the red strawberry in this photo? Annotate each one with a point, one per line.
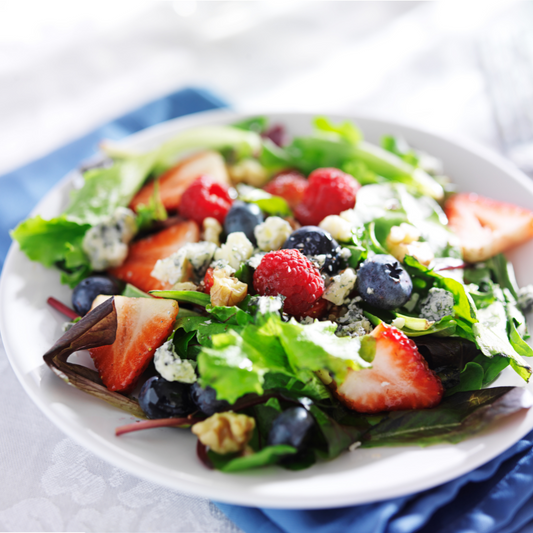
(487, 227)
(143, 324)
(399, 378)
(143, 255)
(288, 185)
(174, 181)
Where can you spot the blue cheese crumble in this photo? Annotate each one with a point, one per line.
(236, 250)
(272, 233)
(340, 287)
(353, 322)
(171, 366)
(437, 305)
(173, 269)
(106, 244)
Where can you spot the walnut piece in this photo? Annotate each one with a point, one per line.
(225, 432)
(404, 240)
(227, 290)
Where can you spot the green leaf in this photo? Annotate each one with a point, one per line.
(255, 124)
(193, 297)
(105, 189)
(270, 204)
(316, 347)
(50, 241)
(230, 315)
(346, 130)
(471, 378)
(457, 417)
(155, 211)
(133, 292)
(267, 456)
(229, 367)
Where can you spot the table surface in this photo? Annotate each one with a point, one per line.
(65, 68)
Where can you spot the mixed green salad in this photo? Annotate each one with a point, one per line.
(329, 296)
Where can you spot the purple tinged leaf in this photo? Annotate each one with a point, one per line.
(97, 328)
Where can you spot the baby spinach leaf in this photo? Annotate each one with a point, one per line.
(267, 456)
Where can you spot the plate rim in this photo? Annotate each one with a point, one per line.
(125, 462)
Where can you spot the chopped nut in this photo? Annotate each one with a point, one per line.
(225, 432)
(227, 290)
(339, 228)
(185, 286)
(404, 240)
(248, 171)
(212, 230)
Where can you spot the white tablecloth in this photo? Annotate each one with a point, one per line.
(66, 67)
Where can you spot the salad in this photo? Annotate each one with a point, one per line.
(288, 300)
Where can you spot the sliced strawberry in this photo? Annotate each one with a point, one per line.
(143, 255)
(399, 378)
(175, 180)
(487, 227)
(143, 324)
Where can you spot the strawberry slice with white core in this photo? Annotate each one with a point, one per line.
(487, 227)
(143, 324)
(399, 378)
(144, 254)
(174, 181)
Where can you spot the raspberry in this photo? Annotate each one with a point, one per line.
(330, 192)
(208, 280)
(288, 185)
(317, 310)
(205, 198)
(291, 274)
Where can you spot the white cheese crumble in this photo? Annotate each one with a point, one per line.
(340, 287)
(438, 304)
(171, 366)
(256, 259)
(185, 286)
(106, 244)
(339, 228)
(236, 250)
(173, 269)
(272, 233)
(212, 230)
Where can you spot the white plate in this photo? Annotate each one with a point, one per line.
(167, 456)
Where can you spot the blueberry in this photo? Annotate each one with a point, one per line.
(88, 289)
(160, 398)
(291, 427)
(206, 400)
(243, 217)
(312, 240)
(383, 283)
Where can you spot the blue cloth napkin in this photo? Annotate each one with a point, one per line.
(496, 497)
